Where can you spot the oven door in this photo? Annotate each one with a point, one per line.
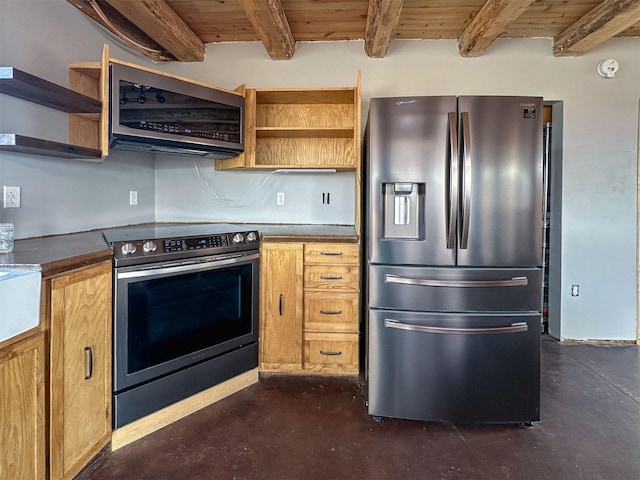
(170, 316)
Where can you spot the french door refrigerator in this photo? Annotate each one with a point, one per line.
(454, 253)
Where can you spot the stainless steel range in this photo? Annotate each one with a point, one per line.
(185, 312)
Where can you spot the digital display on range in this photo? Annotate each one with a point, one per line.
(196, 242)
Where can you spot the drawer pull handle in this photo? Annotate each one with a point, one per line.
(88, 353)
(331, 254)
(280, 305)
(330, 312)
(332, 354)
(327, 277)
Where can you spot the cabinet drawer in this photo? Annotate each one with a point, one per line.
(331, 277)
(331, 352)
(332, 253)
(331, 312)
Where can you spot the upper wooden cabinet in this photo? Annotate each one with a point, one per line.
(91, 79)
(300, 128)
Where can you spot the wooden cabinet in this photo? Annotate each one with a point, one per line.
(310, 307)
(80, 367)
(300, 128)
(22, 409)
(91, 79)
(86, 102)
(281, 307)
(331, 307)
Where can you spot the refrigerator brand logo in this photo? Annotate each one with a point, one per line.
(529, 112)
(405, 102)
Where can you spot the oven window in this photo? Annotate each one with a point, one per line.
(175, 316)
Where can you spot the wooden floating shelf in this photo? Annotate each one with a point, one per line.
(304, 132)
(325, 96)
(28, 87)
(36, 146)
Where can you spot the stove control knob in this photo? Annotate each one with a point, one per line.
(128, 248)
(252, 237)
(238, 238)
(149, 247)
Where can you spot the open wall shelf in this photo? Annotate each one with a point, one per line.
(37, 146)
(84, 102)
(33, 89)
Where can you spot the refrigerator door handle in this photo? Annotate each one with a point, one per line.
(513, 328)
(428, 282)
(466, 180)
(452, 214)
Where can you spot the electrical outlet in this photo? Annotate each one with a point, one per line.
(326, 198)
(575, 290)
(133, 197)
(280, 198)
(11, 197)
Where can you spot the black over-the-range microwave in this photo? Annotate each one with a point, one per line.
(151, 112)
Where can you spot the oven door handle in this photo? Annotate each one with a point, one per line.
(184, 268)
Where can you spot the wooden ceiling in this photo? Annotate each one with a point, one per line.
(179, 29)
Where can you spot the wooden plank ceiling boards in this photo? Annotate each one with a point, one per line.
(179, 29)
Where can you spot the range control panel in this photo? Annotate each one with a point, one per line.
(133, 252)
(184, 244)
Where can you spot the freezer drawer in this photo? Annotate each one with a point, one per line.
(462, 368)
(455, 289)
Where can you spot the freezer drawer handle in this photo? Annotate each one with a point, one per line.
(514, 328)
(330, 312)
(333, 354)
(426, 282)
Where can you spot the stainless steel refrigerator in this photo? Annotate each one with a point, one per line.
(454, 252)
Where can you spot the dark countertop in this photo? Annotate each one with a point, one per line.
(59, 253)
(305, 233)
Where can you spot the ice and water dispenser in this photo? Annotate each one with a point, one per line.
(403, 212)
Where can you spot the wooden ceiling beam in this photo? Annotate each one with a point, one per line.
(492, 20)
(164, 25)
(382, 21)
(596, 27)
(271, 24)
(105, 15)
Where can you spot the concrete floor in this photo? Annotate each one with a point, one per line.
(290, 427)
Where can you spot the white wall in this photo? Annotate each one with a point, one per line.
(599, 135)
(189, 190)
(60, 195)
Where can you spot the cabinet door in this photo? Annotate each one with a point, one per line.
(80, 368)
(22, 432)
(281, 307)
